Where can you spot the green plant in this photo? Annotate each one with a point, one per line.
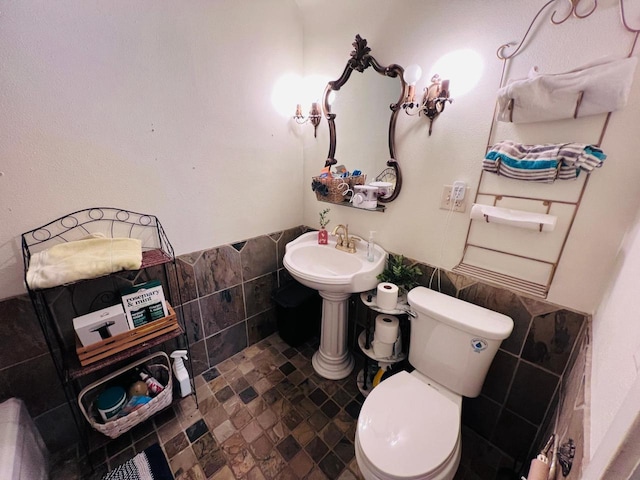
(398, 272)
(324, 221)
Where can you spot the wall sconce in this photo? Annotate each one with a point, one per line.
(313, 117)
(434, 98)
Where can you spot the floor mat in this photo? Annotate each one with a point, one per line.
(151, 464)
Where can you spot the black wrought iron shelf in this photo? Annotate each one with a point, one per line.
(56, 306)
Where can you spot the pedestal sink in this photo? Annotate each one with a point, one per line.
(336, 275)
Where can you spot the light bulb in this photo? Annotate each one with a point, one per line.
(463, 68)
(412, 74)
(313, 87)
(286, 94)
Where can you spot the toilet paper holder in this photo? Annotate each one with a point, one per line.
(564, 455)
(566, 452)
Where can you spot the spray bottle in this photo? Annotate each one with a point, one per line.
(180, 372)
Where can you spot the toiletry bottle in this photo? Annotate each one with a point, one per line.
(180, 372)
(154, 386)
(370, 248)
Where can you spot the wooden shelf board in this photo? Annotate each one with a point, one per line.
(77, 371)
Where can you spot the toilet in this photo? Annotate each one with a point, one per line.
(409, 425)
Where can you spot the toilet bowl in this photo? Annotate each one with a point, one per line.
(409, 428)
(409, 425)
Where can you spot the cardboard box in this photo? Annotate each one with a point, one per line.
(100, 325)
(144, 303)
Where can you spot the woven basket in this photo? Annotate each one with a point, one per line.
(115, 428)
(337, 193)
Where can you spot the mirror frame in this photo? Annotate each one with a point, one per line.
(360, 60)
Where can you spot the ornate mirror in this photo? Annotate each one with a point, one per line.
(360, 106)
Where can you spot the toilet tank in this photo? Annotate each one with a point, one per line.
(453, 342)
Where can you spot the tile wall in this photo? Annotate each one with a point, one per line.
(226, 294)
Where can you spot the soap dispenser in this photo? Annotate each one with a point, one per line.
(180, 372)
(370, 247)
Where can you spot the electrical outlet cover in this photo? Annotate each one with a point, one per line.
(446, 200)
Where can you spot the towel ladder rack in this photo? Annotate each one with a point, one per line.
(511, 106)
(538, 286)
(545, 268)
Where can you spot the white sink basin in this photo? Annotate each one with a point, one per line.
(327, 269)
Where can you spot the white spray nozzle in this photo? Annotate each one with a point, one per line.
(179, 354)
(180, 372)
(371, 234)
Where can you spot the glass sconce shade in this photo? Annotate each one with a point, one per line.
(412, 74)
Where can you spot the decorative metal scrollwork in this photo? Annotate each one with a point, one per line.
(502, 55)
(359, 57)
(573, 10)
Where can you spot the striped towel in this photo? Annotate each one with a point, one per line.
(542, 163)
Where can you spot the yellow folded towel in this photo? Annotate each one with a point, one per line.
(90, 257)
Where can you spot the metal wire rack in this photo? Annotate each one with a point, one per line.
(56, 307)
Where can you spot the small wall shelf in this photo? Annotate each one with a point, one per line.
(347, 203)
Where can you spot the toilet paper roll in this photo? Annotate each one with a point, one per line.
(387, 296)
(539, 470)
(382, 350)
(386, 329)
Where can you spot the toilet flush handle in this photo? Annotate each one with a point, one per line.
(410, 312)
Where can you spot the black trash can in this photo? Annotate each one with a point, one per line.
(298, 313)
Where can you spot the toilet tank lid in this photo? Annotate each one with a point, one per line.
(460, 314)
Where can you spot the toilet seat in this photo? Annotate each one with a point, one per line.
(408, 429)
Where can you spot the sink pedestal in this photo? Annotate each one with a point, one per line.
(336, 274)
(333, 360)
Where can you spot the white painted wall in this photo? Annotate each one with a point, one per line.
(616, 341)
(414, 31)
(153, 106)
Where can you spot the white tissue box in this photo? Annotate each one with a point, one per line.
(98, 326)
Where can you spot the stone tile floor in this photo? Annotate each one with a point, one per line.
(262, 414)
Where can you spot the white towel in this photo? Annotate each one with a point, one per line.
(605, 82)
(82, 259)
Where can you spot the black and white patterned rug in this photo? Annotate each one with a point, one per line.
(151, 464)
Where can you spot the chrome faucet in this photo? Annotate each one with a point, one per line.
(345, 243)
